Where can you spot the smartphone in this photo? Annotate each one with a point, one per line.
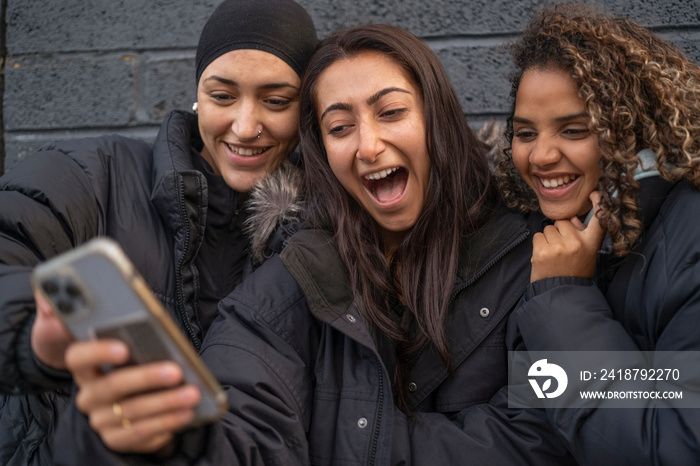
(97, 293)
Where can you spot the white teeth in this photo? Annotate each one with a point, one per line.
(381, 174)
(244, 151)
(557, 182)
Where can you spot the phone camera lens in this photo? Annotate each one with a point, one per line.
(65, 307)
(50, 288)
(72, 290)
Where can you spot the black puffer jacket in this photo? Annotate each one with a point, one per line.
(648, 302)
(307, 386)
(151, 200)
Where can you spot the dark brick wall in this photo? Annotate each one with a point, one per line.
(74, 68)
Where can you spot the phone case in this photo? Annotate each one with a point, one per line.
(98, 293)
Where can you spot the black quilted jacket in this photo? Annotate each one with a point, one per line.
(650, 301)
(150, 199)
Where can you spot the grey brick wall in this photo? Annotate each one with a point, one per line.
(73, 68)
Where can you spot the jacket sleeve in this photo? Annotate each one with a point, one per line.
(567, 314)
(269, 392)
(39, 217)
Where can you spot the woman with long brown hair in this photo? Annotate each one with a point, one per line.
(606, 125)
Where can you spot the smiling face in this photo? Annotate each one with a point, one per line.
(553, 149)
(371, 117)
(240, 93)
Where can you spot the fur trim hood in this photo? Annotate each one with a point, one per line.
(491, 134)
(277, 201)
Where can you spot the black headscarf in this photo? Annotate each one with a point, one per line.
(280, 27)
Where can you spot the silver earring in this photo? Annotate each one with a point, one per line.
(259, 133)
(194, 107)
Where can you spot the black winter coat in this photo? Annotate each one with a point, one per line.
(648, 302)
(150, 199)
(307, 386)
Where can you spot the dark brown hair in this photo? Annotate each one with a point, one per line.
(639, 91)
(460, 198)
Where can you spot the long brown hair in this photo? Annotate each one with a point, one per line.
(639, 91)
(460, 198)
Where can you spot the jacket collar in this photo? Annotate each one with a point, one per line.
(177, 141)
(652, 194)
(172, 160)
(313, 260)
(494, 240)
(653, 191)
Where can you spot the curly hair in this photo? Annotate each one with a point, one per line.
(639, 91)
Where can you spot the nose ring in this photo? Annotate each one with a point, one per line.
(259, 133)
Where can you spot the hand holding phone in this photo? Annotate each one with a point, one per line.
(133, 408)
(97, 293)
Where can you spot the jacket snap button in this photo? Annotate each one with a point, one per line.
(362, 423)
(484, 312)
(412, 387)
(351, 318)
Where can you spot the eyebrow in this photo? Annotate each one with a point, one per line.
(231, 82)
(337, 106)
(558, 119)
(371, 100)
(375, 97)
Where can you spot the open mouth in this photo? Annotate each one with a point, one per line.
(386, 185)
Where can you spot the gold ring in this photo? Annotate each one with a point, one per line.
(117, 409)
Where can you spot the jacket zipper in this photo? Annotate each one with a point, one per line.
(378, 415)
(488, 266)
(180, 290)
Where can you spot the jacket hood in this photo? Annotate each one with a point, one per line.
(312, 257)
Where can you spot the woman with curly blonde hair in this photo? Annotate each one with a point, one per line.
(605, 125)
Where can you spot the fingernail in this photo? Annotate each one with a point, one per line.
(169, 371)
(119, 350)
(189, 393)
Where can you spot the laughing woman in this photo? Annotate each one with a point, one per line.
(377, 337)
(603, 104)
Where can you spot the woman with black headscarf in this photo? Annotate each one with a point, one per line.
(181, 208)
